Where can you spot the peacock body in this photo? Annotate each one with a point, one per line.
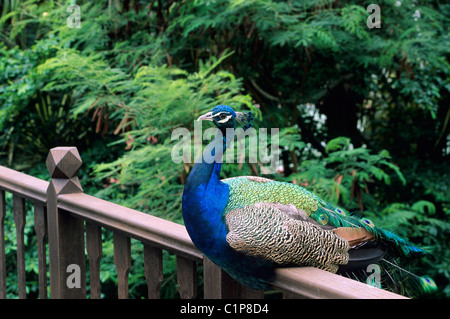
(250, 225)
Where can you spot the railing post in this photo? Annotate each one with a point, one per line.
(65, 232)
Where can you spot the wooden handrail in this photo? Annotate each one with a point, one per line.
(68, 208)
(27, 186)
(156, 231)
(319, 284)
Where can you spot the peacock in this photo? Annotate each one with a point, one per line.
(250, 225)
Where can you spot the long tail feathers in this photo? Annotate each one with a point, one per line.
(407, 282)
(395, 278)
(398, 243)
(392, 242)
(390, 276)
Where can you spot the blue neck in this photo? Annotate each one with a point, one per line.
(205, 198)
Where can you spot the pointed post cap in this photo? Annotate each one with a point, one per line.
(63, 162)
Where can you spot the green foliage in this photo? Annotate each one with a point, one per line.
(363, 113)
(290, 138)
(345, 172)
(32, 120)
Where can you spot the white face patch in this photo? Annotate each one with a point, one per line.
(225, 119)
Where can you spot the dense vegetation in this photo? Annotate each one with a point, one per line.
(363, 113)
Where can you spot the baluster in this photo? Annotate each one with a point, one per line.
(186, 278)
(19, 221)
(40, 228)
(2, 246)
(212, 280)
(122, 260)
(217, 283)
(94, 251)
(153, 270)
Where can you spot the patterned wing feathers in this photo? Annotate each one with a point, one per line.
(264, 231)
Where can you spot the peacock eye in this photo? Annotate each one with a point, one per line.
(222, 116)
(368, 222)
(323, 219)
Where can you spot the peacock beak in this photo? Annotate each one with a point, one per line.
(206, 117)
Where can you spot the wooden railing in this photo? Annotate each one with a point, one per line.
(73, 221)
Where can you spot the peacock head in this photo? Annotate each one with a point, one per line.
(225, 117)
